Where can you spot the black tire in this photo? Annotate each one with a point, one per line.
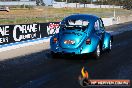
(54, 55)
(97, 53)
(110, 46)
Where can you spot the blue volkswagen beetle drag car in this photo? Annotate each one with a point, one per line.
(81, 34)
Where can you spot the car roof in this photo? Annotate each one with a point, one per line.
(90, 18)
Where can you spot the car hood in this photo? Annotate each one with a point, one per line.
(71, 39)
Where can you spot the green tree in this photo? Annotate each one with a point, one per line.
(40, 2)
(127, 4)
(109, 2)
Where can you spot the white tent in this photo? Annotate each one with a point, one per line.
(48, 2)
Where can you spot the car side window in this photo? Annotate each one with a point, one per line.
(97, 25)
(101, 24)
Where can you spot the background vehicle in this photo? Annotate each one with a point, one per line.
(81, 34)
(4, 9)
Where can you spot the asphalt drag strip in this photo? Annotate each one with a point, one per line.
(40, 70)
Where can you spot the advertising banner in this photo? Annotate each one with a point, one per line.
(23, 32)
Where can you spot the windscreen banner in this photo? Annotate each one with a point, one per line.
(23, 32)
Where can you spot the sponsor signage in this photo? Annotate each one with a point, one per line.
(53, 28)
(23, 32)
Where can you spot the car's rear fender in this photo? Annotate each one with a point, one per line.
(89, 48)
(107, 38)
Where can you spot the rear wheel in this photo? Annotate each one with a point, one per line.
(110, 46)
(97, 52)
(54, 55)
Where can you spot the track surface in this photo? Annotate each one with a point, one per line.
(40, 70)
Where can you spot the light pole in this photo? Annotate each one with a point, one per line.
(91, 1)
(114, 13)
(66, 1)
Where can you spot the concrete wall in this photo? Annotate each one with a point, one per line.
(107, 21)
(116, 20)
(78, 5)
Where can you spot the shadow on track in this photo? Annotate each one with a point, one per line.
(15, 72)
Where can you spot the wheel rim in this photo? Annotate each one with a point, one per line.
(110, 44)
(98, 51)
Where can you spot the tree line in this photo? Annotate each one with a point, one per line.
(127, 4)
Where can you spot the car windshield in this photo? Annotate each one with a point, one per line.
(73, 24)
